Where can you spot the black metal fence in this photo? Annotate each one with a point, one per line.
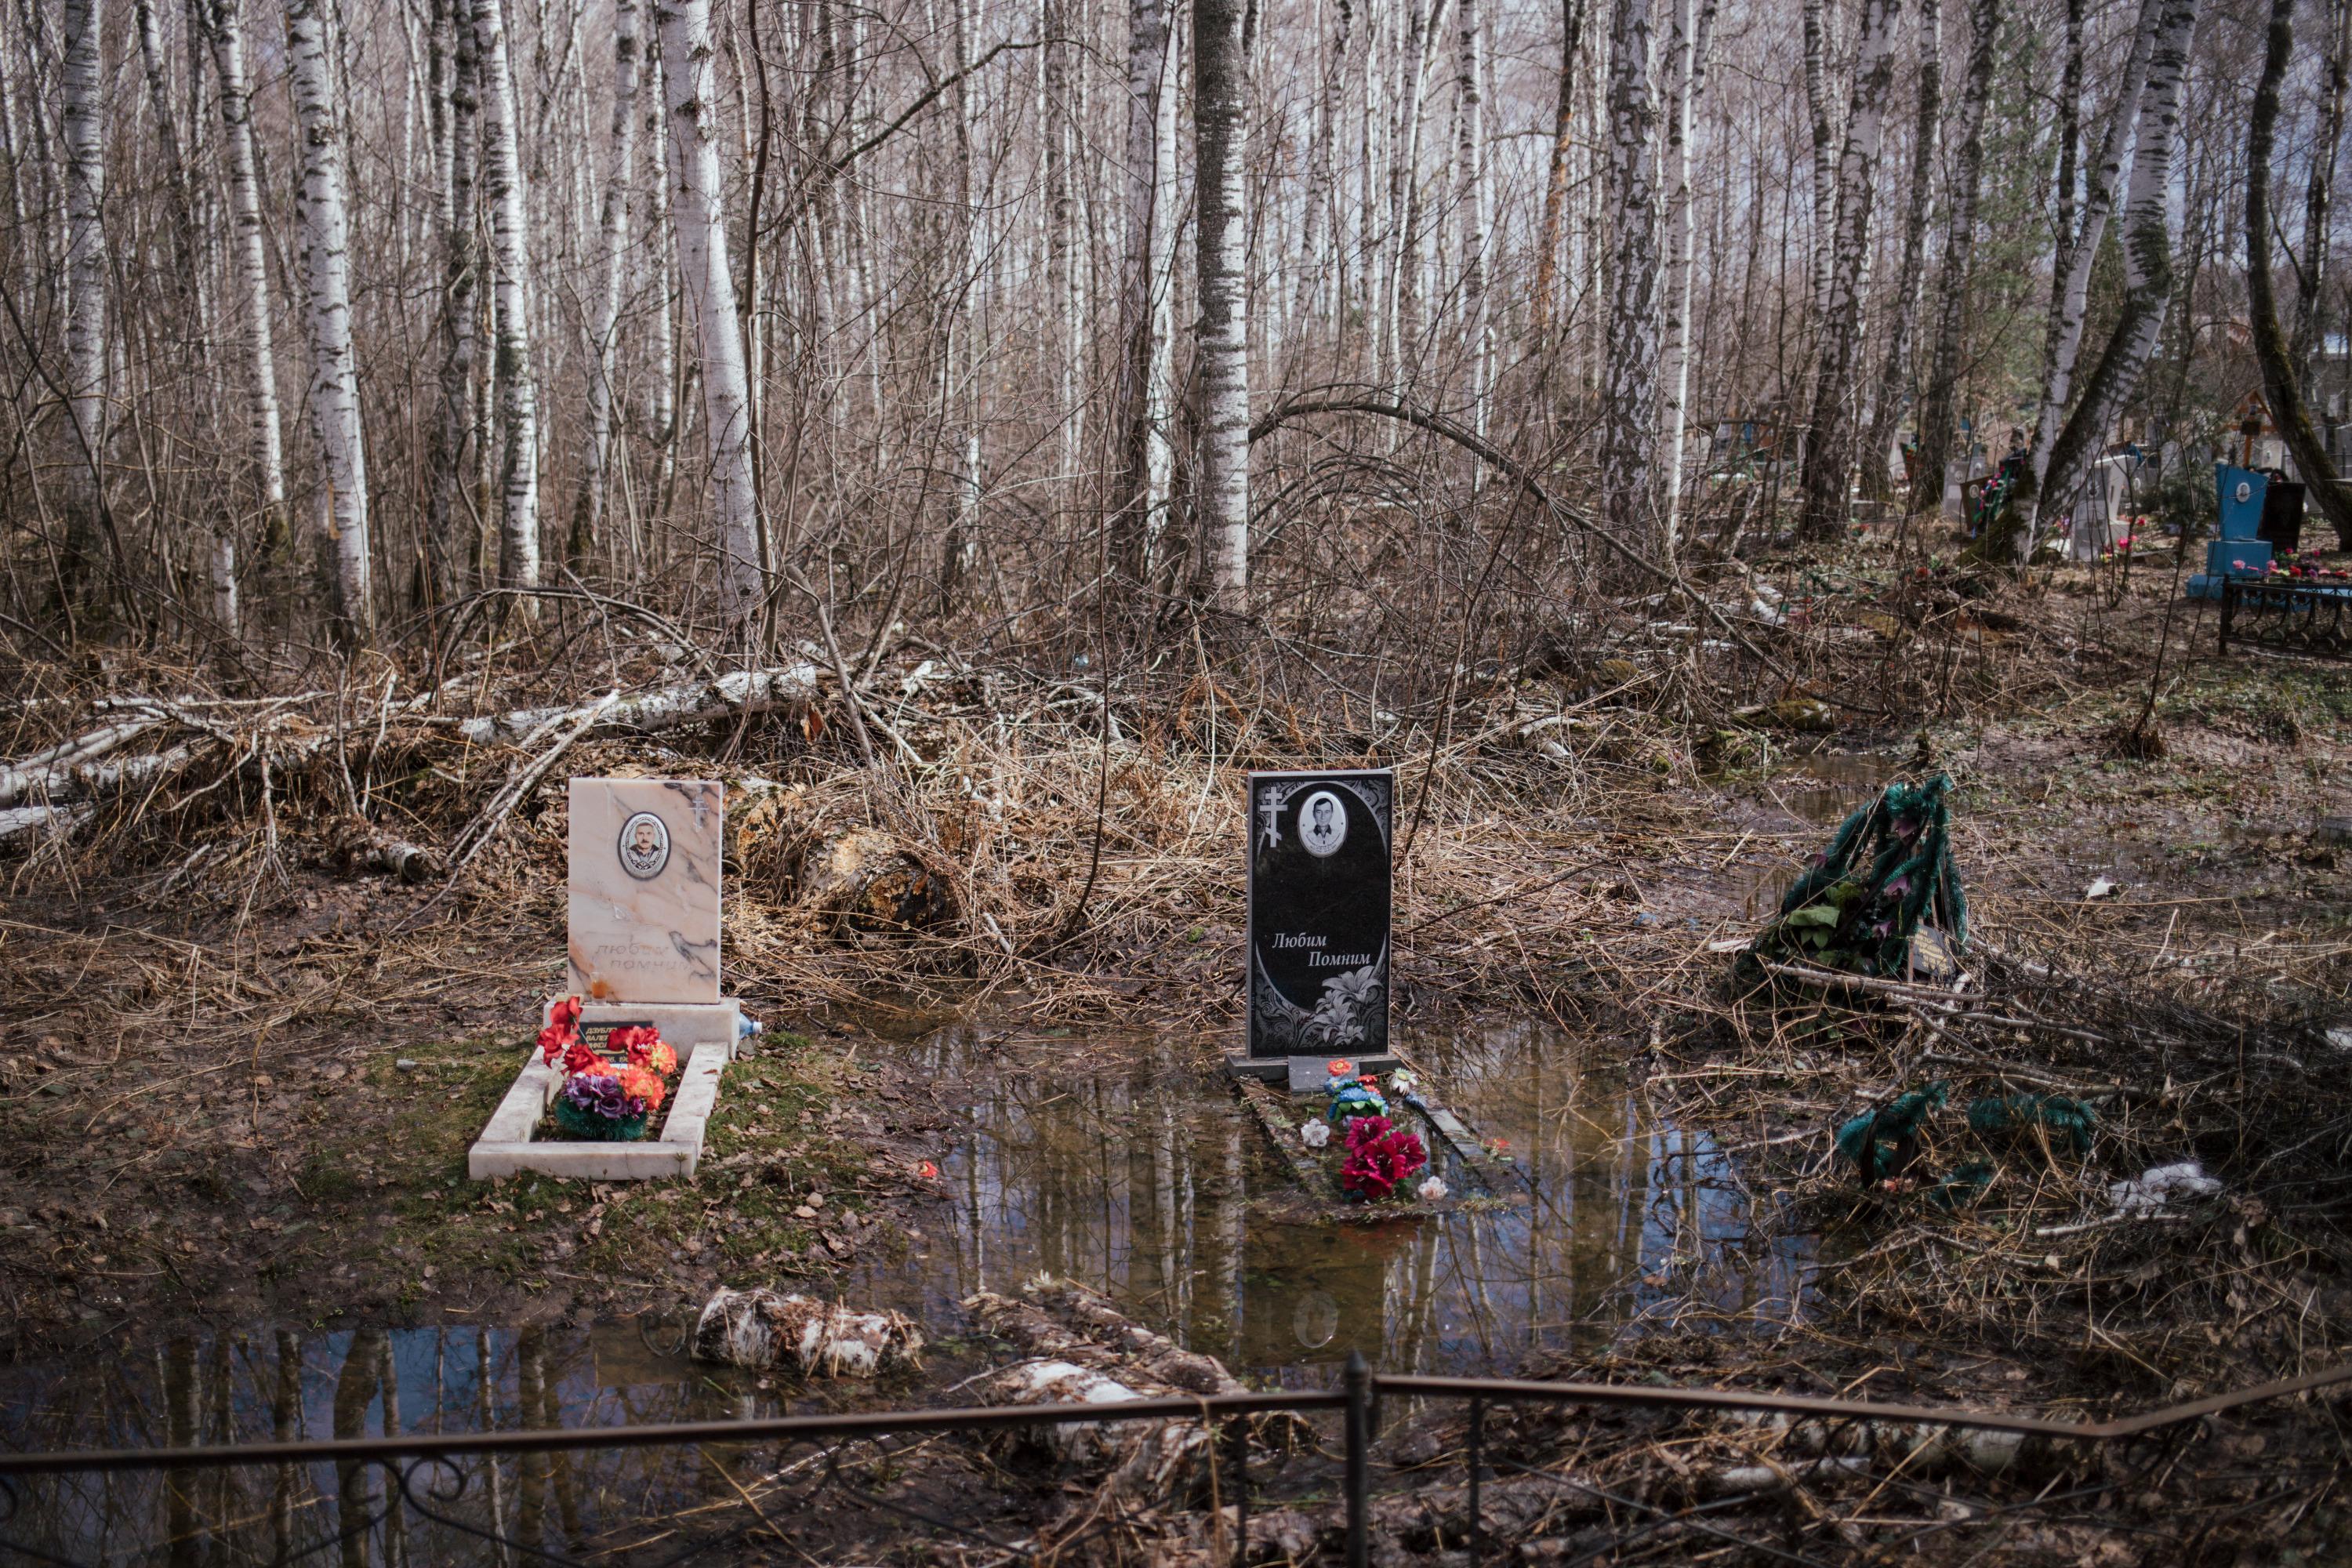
(2287, 617)
(425, 1480)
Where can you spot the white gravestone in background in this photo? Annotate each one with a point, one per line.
(643, 949)
(644, 884)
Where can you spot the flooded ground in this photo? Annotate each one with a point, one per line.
(1127, 1165)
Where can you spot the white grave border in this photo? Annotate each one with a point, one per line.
(509, 1145)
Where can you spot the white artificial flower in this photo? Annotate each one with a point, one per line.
(1432, 1190)
(1314, 1134)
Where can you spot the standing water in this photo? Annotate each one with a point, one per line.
(1128, 1164)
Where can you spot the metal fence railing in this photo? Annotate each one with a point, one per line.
(426, 1481)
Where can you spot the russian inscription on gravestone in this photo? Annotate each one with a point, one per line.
(1319, 912)
(645, 890)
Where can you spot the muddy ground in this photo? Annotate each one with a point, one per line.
(250, 1102)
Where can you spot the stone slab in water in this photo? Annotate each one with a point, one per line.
(645, 890)
(1319, 914)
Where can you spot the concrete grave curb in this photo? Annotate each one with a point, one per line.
(507, 1147)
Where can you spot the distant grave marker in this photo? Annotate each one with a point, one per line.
(1318, 916)
(643, 945)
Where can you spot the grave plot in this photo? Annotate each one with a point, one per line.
(644, 1003)
(1319, 865)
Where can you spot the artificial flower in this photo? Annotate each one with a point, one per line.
(603, 1095)
(643, 1045)
(1432, 1190)
(1339, 1067)
(1379, 1157)
(562, 1028)
(578, 1060)
(928, 1171)
(1314, 1134)
(644, 1084)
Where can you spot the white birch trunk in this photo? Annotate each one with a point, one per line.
(1821, 116)
(1222, 347)
(1475, 201)
(453, 532)
(83, 129)
(1322, 177)
(1829, 450)
(1936, 403)
(502, 187)
(2079, 251)
(257, 353)
(1629, 394)
(588, 512)
(2147, 268)
(1686, 50)
(323, 209)
(685, 49)
(1910, 280)
(1144, 304)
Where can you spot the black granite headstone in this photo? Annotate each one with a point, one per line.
(1319, 914)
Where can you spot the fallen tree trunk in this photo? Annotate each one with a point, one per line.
(45, 773)
(735, 696)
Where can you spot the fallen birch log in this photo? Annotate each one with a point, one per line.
(46, 773)
(760, 1329)
(746, 691)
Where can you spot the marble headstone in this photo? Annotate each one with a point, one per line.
(645, 890)
(1319, 914)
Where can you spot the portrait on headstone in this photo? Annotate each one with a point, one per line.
(1319, 914)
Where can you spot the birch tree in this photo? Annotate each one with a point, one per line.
(1937, 399)
(2319, 187)
(695, 207)
(1829, 450)
(1221, 350)
(1629, 421)
(1555, 171)
(1145, 309)
(1688, 40)
(2078, 249)
(502, 187)
(1472, 206)
(588, 511)
(82, 125)
(2148, 288)
(1820, 109)
(249, 260)
(2281, 387)
(452, 538)
(1910, 280)
(322, 207)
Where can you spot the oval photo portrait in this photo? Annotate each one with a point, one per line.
(1322, 823)
(645, 846)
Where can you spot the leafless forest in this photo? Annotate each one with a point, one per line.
(1382, 324)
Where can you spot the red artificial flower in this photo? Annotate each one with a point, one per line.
(643, 1045)
(1339, 1067)
(562, 1028)
(928, 1171)
(1380, 1158)
(579, 1058)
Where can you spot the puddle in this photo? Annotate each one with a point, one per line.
(1127, 1165)
(1826, 787)
(1141, 1180)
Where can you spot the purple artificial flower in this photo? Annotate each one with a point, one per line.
(601, 1094)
